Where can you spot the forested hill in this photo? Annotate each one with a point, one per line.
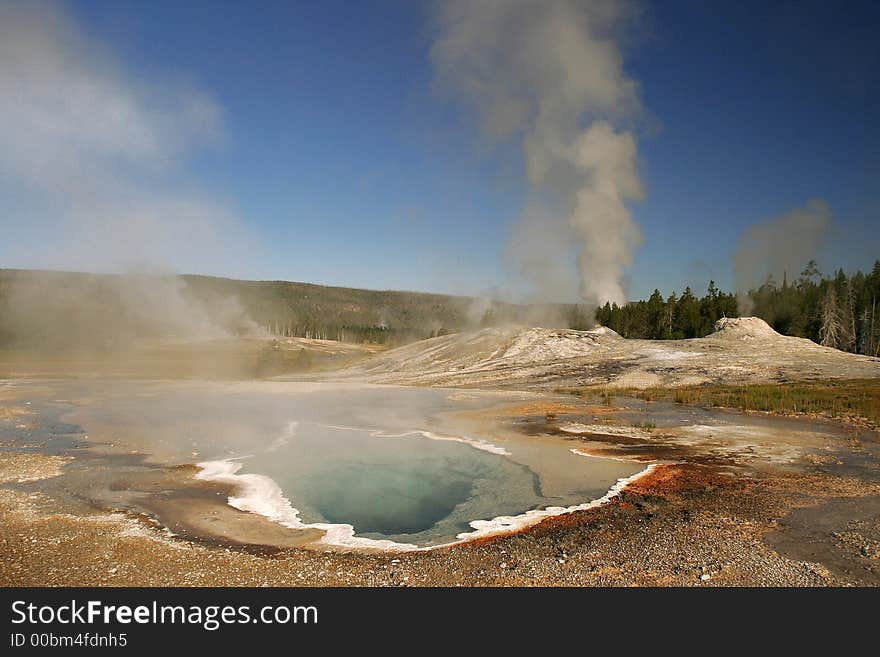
(342, 313)
(837, 310)
(45, 308)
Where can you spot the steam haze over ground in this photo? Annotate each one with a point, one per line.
(99, 157)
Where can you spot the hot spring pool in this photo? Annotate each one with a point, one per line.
(371, 466)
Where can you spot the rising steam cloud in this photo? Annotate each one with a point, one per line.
(92, 169)
(552, 72)
(778, 246)
(96, 156)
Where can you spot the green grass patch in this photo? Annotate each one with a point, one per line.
(850, 399)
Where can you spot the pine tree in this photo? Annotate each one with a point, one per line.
(830, 332)
(655, 315)
(865, 346)
(873, 330)
(669, 318)
(848, 332)
(688, 314)
(810, 272)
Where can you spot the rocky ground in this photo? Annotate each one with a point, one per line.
(699, 520)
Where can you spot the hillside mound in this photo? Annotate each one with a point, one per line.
(741, 351)
(510, 347)
(604, 330)
(744, 328)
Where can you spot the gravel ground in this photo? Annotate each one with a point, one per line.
(686, 524)
(708, 515)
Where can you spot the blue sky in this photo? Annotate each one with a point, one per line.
(344, 168)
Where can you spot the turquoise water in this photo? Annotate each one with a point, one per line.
(387, 463)
(405, 488)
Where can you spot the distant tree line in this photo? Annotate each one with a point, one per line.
(671, 318)
(348, 332)
(837, 310)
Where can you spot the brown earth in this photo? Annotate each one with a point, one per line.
(694, 521)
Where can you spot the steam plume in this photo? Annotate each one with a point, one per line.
(552, 73)
(779, 245)
(96, 155)
(92, 167)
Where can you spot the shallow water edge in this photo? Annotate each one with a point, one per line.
(256, 493)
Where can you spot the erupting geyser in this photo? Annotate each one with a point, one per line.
(552, 73)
